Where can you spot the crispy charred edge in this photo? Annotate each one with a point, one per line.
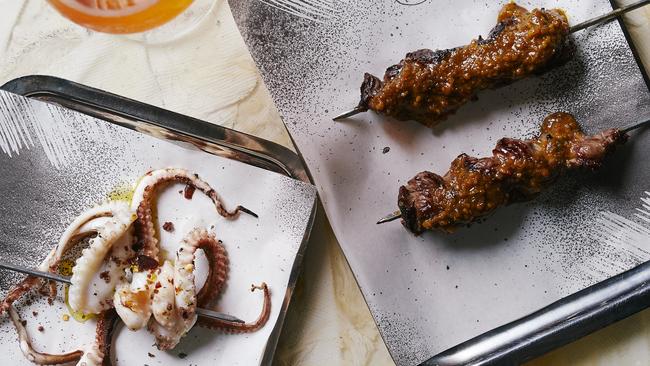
(233, 327)
(423, 182)
(104, 334)
(370, 86)
(218, 273)
(414, 198)
(32, 355)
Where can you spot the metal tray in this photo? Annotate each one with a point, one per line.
(215, 139)
(313, 70)
(168, 125)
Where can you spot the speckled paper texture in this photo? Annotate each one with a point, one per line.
(432, 292)
(56, 164)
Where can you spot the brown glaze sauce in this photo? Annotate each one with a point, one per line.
(518, 170)
(429, 85)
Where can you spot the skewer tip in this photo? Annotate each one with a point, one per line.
(220, 316)
(635, 126)
(391, 217)
(351, 113)
(232, 318)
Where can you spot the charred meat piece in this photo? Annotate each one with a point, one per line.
(518, 170)
(427, 85)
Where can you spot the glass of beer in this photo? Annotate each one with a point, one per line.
(134, 16)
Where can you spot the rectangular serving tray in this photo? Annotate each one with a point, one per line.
(313, 70)
(164, 124)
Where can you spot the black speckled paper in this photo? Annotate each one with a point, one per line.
(432, 292)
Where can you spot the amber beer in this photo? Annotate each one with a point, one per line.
(120, 16)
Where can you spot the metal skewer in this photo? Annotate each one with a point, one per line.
(635, 126)
(397, 214)
(609, 16)
(578, 27)
(347, 114)
(390, 217)
(63, 279)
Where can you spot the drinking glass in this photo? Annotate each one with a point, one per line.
(135, 16)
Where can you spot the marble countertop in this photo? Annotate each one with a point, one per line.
(208, 74)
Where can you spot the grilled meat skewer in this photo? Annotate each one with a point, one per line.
(372, 85)
(517, 171)
(427, 85)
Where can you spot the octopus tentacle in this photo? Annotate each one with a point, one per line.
(91, 260)
(170, 323)
(31, 354)
(233, 327)
(172, 301)
(104, 335)
(18, 291)
(79, 228)
(163, 301)
(168, 337)
(98, 353)
(218, 262)
(218, 273)
(132, 301)
(145, 192)
(71, 234)
(176, 298)
(86, 230)
(51, 291)
(183, 313)
(92, 356)
(119, 258)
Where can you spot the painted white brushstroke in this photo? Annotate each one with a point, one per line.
(623, 244)
(316, 10)
(23, 121)
(13, 129)
(644, 213)
(624, 233)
